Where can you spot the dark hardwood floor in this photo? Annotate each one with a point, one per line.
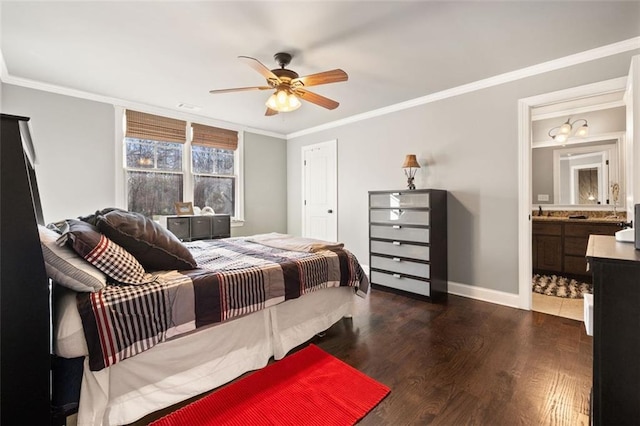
(464, 362)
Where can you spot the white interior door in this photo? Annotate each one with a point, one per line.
(319, 191)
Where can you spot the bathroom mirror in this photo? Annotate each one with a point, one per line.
(579, 174)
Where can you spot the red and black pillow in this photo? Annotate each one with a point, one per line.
(116, 262)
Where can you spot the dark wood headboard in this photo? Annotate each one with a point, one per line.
(24, 290)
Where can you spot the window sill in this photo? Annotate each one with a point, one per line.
(236, 223)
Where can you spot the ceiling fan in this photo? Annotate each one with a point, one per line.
(289, 87)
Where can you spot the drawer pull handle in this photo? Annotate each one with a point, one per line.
(396, 243)
(397, 276)
(396, 193)
(397, 259)
(397, 226)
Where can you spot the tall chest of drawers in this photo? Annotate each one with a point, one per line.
(408, 242)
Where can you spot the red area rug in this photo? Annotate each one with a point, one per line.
(309, 387)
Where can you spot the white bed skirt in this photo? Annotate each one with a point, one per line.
(179, 369)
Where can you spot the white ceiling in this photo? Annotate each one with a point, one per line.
(165, 53)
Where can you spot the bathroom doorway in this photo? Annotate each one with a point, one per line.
(601, 105)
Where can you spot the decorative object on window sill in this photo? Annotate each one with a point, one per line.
(410, 167)
(184, 209)
(566, 130)
(206, 210)
(289, 86)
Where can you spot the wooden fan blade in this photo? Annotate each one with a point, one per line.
(270, 112)
(316, 99)
(240, 89)
(261, 68)
(333, 76)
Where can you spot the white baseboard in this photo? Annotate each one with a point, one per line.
(485, 294)
(477, 293)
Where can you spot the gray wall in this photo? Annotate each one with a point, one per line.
(467, 145)
(265, 183)
(75, 144)
(542, 174)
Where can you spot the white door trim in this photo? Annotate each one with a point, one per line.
(333, 145)
(524, 171)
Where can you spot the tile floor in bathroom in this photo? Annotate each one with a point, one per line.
(558, 306)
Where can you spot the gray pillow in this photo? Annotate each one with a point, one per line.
(66, 267)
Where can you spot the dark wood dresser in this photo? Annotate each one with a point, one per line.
(616, 331)
(408, 242)
(198, 227)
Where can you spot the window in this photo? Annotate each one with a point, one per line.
(213, 166)
(153, 162)
(213, 180)
(154, 176)
(157, 157)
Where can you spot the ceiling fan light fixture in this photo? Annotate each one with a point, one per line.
(290, 88)
(283, 101)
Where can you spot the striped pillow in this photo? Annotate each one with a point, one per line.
(104, 254)
(65, 267)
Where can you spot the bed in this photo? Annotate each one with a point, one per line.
(187, 351)
(178, 334)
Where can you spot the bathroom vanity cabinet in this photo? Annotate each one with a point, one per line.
(560, 244)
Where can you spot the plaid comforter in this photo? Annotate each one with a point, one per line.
(234, 277)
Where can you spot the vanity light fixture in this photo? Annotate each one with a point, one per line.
(410, 167)
(564, 132)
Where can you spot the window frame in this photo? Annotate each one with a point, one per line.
(121, 188)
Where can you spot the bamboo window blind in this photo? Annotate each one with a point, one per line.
(214, 137)
(141, 125)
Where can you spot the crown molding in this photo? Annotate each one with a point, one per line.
(553, 65)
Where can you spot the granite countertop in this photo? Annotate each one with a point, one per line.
(567, 219)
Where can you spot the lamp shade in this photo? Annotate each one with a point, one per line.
(565, 128)
(283, 101)
(410, 161)
(583, 131)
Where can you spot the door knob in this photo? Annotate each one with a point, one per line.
(329, 211)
